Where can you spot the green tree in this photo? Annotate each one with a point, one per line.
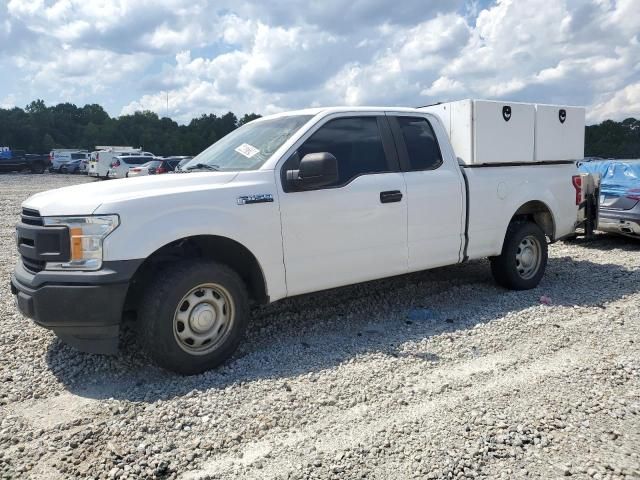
(47, 142)
(247, 118)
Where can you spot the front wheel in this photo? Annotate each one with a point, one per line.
(193, 316)
(523, 260)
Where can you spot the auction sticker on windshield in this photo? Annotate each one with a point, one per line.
(247, 150)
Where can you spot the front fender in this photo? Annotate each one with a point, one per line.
(146, 228)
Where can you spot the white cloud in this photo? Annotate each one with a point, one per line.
(618, 106)
(443, 86)
(8, 102)
(215, 56)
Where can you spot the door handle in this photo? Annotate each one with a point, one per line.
(390, 196)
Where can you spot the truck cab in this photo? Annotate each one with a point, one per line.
(285, 205)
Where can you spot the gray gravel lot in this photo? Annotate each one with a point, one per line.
(434, 375)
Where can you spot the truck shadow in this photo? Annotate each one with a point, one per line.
(311, 333)
(604, 241)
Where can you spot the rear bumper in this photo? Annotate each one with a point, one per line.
(84, 309)
(620, 221)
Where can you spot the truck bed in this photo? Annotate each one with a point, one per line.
(497, 192)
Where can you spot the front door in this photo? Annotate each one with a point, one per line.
(356, 229)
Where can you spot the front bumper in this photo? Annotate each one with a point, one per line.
(84, 309)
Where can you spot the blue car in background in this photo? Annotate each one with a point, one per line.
(73, 166)
(619, 195)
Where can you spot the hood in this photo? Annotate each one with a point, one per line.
(86, 198)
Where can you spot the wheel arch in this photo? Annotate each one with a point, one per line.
(211, 247)
(538, 212)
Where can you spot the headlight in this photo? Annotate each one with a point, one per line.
(86, 235)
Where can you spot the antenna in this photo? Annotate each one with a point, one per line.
(167, 103)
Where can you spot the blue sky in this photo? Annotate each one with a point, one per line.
(256, 56)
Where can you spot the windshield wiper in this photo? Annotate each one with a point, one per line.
(203, 166)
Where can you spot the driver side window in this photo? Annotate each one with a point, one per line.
(354, 141)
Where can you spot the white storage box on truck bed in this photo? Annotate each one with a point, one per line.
(290, 204)
(559, 133)
(493, 132)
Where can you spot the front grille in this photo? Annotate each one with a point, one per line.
(31, 217)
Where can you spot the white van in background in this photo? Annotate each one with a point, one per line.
(62, 156)
(101, 159)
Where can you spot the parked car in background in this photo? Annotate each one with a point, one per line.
(154, 167)
(121, 164)
(619, 195)
(74, 166)
(143, 169)
(169, 164)
(18, 161)
(100, 160)
(182, 163)
(60, 157)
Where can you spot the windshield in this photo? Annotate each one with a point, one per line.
(248, 147)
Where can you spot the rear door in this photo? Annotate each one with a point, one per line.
(435, 193)
(356, 229)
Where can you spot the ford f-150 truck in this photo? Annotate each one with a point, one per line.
(286, 205)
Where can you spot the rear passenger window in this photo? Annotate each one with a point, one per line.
(355, 142)
(422, 146)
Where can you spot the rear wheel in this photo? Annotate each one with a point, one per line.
(193, 316)
(523, 260)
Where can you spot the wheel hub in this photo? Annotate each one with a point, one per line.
(528, 257)
(202, 317)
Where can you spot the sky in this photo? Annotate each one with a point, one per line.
(214, 56)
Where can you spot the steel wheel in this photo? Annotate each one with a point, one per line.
(528, 257)
(203, 318)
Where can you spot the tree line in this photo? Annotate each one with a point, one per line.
(38, 129)
(611, 139)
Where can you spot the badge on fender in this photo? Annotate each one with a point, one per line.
(258, 198)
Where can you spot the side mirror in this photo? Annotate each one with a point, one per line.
(315, 170)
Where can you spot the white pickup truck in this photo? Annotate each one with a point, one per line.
(285, 205)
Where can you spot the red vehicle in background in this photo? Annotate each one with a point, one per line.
(157, 166)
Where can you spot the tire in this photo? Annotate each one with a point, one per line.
(37, 167)
(168, 316)
(523, 260)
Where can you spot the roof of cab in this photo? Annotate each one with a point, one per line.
(328, 110)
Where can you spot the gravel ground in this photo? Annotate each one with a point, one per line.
(435, 375)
